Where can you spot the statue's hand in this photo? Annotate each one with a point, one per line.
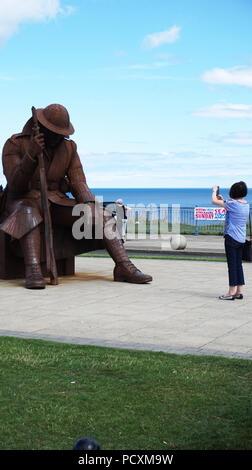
(37, 145)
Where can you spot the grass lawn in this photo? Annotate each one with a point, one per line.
(53, 393)
(146, 256)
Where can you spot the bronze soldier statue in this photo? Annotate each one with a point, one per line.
(24, 214)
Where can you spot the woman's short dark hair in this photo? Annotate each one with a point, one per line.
(238, 190)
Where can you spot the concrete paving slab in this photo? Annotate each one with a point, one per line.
(179, 312)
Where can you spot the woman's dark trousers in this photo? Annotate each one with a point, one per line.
(234, 260)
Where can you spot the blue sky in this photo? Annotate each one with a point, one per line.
(159, 91)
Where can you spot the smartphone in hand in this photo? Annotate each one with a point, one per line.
(218, 191)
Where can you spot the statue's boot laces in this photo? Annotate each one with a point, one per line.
(127, 272)
(34, 278)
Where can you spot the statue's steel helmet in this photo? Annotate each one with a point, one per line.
(55, 117)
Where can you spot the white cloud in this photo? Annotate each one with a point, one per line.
(15, 12)
(166, 168)
(164, 37)
(6, 78)
(240, 75)
(225, 111)
(121, 53)
(234, 138)
(171, 58)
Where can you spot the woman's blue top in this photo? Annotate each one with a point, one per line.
(236, 219)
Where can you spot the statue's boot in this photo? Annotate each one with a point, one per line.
(31, 249)
(125, 270)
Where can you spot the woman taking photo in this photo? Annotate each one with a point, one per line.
(235, 235)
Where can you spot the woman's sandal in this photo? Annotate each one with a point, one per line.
(227, 297)
(239, 296)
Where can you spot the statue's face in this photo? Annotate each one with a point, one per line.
(51, 139)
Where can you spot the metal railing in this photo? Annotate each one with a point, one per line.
(174, 219)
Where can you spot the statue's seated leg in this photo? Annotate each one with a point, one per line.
(30, 244)
(62, 215)
(124, 270)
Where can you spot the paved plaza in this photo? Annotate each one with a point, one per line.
(179, 312)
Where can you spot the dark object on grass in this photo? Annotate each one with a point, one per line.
(86, 443)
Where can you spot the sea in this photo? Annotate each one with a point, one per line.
(186, 197)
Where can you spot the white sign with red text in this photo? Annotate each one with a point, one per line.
(209, 213)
